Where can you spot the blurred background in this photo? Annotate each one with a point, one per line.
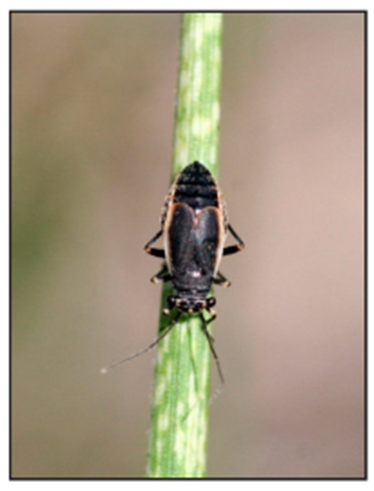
(92, 127)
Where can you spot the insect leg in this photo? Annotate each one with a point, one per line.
(152, 250)
(168, 328)
(234, 248)
(219, 279)
(162, 275)
(210, 342)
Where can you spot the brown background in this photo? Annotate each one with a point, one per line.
(92, 116)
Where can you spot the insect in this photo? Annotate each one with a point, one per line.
(194, 226)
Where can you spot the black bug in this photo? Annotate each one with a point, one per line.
(194, 226)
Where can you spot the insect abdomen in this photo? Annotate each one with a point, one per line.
(196, 187)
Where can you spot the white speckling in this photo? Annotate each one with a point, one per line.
(180, 444)
(169, 372)
(160, 391)
(163, 423)
(192, 397)
(198, 38)
(159, 446)
(198, 71)
(215, 109)
(212, 22)
(180, 409)
(183, 332)
(184, 81)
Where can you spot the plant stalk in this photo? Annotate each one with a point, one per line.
(181, 394)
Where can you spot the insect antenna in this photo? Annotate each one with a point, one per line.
(212, 350)
(148, 348)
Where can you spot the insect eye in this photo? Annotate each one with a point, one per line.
(198, 306)
(211, 302)
(183, 305)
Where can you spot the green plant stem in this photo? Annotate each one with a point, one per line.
(179, 420)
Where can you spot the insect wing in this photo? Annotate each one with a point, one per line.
(209, 238)
(194, 240)
(179, 240)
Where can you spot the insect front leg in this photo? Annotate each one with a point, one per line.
(210, 340)
(152, 250)
(234, 248)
